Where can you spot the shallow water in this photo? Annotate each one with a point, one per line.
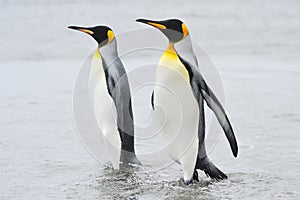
(155, 186)
(42, 157)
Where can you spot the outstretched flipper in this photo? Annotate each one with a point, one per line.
(199, 85)
(214, 104)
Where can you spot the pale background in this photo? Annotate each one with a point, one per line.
(255, 45)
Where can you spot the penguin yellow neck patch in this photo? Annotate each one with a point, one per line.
(97, 54)
(170, 59)
(171, 53)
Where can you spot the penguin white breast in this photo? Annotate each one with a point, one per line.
(105, 111)
(173, 94)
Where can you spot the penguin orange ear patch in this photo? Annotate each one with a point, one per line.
(185, 30)
(110, 36)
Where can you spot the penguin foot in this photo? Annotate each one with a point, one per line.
(188, 182)
(210, 169)
(128, 158)
(194, 179)
(195, 176)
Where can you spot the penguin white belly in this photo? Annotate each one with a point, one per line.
(174, 95)
(106, 114)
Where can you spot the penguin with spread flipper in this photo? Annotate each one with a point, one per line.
(178, 71)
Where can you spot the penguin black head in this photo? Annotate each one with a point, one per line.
(174, 29)
(102, 34)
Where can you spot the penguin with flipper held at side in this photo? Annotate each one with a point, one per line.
(109, 88)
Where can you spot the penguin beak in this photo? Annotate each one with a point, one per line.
(82, 29)
(155, 24)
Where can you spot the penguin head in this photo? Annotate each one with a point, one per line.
(174, 29)
(102, 34)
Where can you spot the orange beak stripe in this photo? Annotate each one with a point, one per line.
(157, 25)
(86, 31)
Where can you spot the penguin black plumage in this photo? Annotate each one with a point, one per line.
(110, 91)
(186, 144)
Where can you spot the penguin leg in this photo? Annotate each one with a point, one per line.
(203, 163)
(193, 179)
(195, 176)
(128, 155)
(128, 158)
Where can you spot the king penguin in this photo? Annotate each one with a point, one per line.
(179, 72)
(109, 88)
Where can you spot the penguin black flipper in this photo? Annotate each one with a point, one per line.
(118, 88)
(214, 104)
(198, 84)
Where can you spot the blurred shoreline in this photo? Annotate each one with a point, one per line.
(36, 30)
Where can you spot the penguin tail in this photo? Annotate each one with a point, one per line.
(210, 169)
